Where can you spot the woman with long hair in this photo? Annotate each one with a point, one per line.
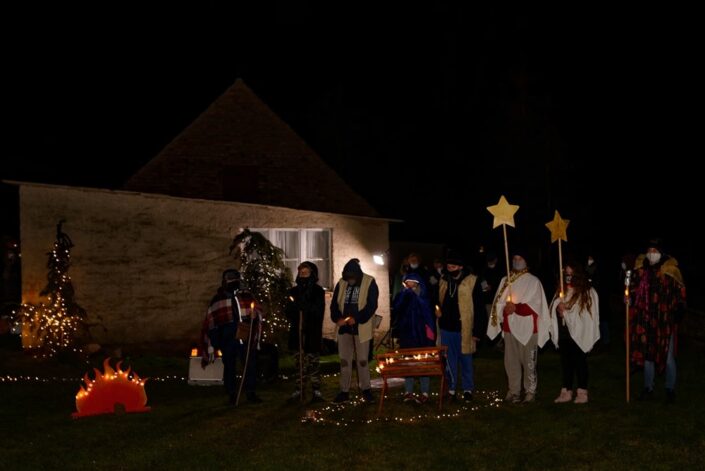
(575, 327)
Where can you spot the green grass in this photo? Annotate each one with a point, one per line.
(190, 427)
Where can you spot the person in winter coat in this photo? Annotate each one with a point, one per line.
(415, 327)
(354, 303)
(306, 304)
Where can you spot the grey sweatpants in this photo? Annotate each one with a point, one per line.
(346, 350)
(518, 357)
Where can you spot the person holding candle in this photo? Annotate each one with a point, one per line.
(354, 303)
(575, 327)
(524, 324)
(459, 298)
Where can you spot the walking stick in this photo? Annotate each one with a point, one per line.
(626, 324)
(247, 355)
(357, 374)
(301, 356)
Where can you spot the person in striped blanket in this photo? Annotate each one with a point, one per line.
(233, 324)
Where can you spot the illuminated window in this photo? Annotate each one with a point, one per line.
(300, 245)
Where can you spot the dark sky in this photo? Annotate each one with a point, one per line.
(557, 109)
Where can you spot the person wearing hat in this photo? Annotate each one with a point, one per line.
(232, 312)
(521, 313)
(415, 326)
(657, 307)
(306, 303)
(354, 303)
(459, 297)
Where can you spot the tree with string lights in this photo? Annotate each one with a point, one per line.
(55, 325)
(264, 272)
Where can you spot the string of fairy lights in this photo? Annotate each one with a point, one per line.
(330, 414)
(51, 327)
(69, 379)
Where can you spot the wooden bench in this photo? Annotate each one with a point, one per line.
(404, 362)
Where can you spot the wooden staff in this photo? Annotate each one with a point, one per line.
(506, 257)
(247, 355)
(626, 324)
(301, 355)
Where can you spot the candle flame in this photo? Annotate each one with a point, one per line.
(194, 352)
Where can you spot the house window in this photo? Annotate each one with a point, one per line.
(300, 245)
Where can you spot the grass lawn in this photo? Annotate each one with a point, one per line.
(190, 427)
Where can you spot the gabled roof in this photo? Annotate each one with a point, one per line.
(240, 150)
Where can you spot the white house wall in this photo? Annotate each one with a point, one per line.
(149, 264)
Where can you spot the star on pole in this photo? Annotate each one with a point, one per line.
(503, 212)
(558, 228)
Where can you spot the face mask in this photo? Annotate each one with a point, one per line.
(232, 286)
(352, 281)
(654, 257)
(568, 278)
(518, 266)
(454, 273)
(492, 265)
(414, 266)
(590, 261)
(624, 266)
(439, 270)
(303, 281)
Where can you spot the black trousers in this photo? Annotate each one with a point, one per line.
(573, 362)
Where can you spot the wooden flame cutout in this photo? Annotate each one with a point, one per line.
(111, 391)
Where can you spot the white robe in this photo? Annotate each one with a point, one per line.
(584, 328)
(526, 289)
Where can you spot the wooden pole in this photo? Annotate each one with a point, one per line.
(301, 356)
(560, 266)
(506, 257)
(626, 326)
(247, 354)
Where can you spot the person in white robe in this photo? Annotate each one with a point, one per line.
(521, 313)
(575, 327)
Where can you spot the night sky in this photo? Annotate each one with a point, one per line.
(429, 113)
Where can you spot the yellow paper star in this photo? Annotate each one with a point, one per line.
(558, 228)
(503, 212)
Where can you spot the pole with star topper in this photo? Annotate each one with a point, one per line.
(503, 213)
(558, 228)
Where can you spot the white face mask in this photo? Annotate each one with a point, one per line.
(518, 266)
(414, 266)
(624, 266)
(590, 261)
(654, 257)
(492, 265)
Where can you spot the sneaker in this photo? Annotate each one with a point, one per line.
(342, 397)
(317, 396)
(253, 398)
(422, 398)
(566, 395)
(367, 396)
(467, 396)
(581, 397)
(528, 398)
(646, 395)
(408, 397)
(513, 398)
(670, 396)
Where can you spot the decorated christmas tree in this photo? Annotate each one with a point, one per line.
(55, 325)
(264, 272)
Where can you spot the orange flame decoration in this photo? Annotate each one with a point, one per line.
(111, 391)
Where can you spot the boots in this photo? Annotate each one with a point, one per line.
(581, 397)
(565, 396)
